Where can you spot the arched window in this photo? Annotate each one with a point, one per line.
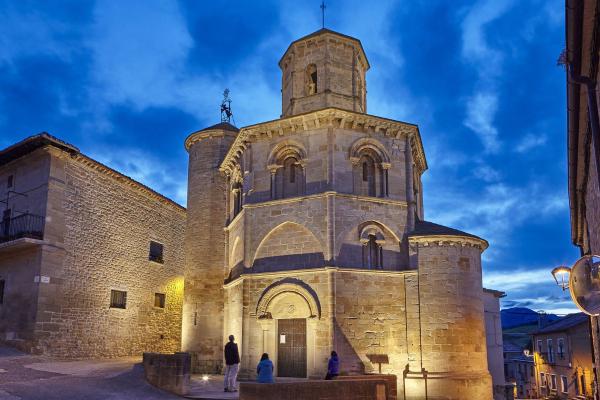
(290, 183)
(370, 164)
(372, 254)
(311, 79)
(237, 199)
(368, 185)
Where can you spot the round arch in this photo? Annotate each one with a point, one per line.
(363, 145)
(297, 288)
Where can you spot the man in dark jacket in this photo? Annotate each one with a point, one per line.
(232, 364)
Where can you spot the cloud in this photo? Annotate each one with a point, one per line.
(475, 47)
(487, 173)
(531, 141)
(487, 62)
(495, 211)
(481, 109)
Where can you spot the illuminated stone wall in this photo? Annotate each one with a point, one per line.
(205, 250)
(105, 226)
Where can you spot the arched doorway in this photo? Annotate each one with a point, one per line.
(289, 311)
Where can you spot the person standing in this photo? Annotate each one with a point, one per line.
(232, 364)
(333, 366)
(264, 369)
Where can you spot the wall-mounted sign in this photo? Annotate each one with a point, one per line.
(42, 279)
(282, 339)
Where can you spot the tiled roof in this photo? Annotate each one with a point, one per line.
(40, 140)
(509, 347)
(222, 125)
(32, 143)
(564, 323)
(426, 228)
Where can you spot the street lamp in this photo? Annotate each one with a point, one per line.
(561, 276)
(583, 282)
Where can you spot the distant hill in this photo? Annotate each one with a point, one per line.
(517, 316)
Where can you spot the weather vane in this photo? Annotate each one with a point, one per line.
(323, 7)
(226, 113)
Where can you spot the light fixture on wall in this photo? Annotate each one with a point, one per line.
(561, 276)
(583, 282)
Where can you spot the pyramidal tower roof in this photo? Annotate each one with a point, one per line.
(325, 31)
(321, 70)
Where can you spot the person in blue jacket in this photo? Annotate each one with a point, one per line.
(333, 366)
(264, 369)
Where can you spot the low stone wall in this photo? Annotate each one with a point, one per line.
(359, 387)
(170, 372)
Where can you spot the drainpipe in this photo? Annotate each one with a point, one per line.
(590, 85)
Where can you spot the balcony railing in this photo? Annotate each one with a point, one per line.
(22, 226)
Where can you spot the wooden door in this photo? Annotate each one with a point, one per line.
(291, 356)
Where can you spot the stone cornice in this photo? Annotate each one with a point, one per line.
(448, 240)
(329, 269)
(206, 134)
(325, 118)
(288, 200)
(124, 179)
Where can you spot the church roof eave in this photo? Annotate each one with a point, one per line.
(324, 31)
(329, 116)
(426, 231)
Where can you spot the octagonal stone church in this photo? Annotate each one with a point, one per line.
(306, 234)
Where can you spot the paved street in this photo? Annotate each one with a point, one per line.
(34, 377)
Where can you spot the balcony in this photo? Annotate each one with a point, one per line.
(23, 226)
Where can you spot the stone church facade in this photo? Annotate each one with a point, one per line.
(301, 235)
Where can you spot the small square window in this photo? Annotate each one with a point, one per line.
(2, 284)
(10, 181)
(156, 252)
(159, 300)
(118, 299)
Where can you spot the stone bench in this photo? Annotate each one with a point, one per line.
(170, 372)
(354, 387)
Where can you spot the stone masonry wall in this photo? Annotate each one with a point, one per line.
(19, 266)
(451, 314)
(205, 241)
(370, 319)
(106, 229)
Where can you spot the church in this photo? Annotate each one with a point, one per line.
(301, 235)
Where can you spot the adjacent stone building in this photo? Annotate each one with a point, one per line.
(563, 360)
(77, 276)
(302, 235)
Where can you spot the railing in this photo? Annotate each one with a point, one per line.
(23, 226)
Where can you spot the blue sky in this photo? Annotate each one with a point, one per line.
(127, 81)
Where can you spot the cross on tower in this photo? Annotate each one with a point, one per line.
(323, 7)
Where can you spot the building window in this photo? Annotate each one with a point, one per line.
(118, 299)
(582, 379)
(369, 186)
(553, 381)
(550, 352)
(561, 348)
(539, 346)
(159, 300)
(156, 252)
(542, 379)
(2, 284)
(372, 254)
(311, 79)
(236, 192)
(10, 181)
(564, 383)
